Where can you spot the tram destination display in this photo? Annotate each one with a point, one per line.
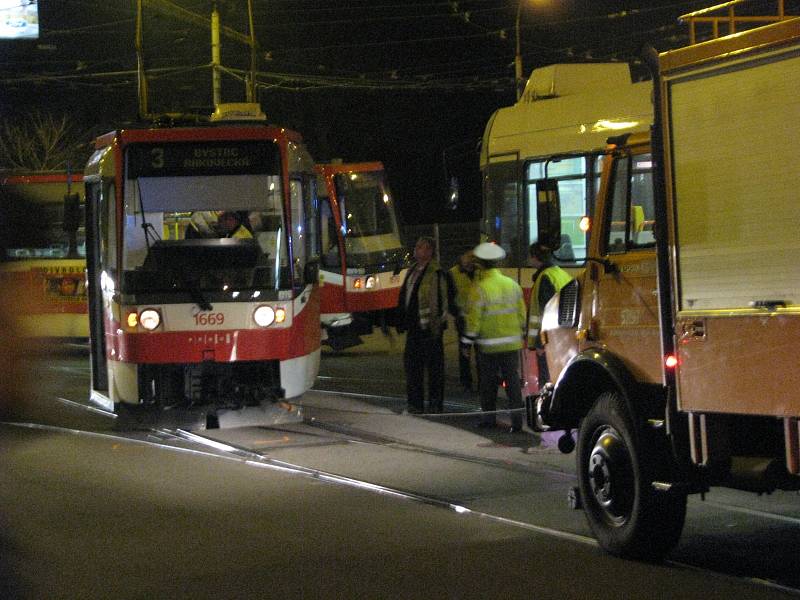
(202, 158)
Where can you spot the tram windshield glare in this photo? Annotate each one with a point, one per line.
(207, 227)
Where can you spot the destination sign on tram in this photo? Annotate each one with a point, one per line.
(202, 158)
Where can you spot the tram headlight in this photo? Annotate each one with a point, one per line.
(370, 283)
(150, 319)
(264, 316)
(280, 315)
(357, 283)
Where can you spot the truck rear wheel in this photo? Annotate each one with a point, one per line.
(616, 468)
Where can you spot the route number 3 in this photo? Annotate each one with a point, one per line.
(157, 156)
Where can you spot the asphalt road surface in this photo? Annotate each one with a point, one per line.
(338, 496)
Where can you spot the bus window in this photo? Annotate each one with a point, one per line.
(573, 175)
(501, 210)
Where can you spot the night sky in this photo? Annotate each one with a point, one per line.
(409, 83)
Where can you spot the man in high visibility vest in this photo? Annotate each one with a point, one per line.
(231, 225)
(495, 323)
(463, 274)
(548, 280)
(426, 295)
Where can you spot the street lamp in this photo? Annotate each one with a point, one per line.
(519, 82)
(518, 56)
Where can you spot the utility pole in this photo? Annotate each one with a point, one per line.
(141, 78)
(215, 57)
(251, 84)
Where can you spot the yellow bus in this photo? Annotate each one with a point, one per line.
(43, 253)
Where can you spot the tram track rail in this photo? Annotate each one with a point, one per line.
(258, 459)
(199, 442)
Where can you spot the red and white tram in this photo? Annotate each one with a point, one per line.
(202, 266)
(362, 255)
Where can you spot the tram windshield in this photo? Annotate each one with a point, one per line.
(369, 226)
(211, 228)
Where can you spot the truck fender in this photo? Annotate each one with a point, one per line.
(586, 376)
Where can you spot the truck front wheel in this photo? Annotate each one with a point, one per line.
(616, 468)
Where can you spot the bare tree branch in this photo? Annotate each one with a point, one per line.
(42, 142)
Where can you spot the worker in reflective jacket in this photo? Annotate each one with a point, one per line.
(548, 280)
(463, 274)
(495, 323)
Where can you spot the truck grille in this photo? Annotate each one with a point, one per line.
(569, 304)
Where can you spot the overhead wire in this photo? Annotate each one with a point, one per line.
(420, 75)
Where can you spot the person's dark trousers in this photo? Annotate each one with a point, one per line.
(424, 353)
(507, 365)
(465, 366)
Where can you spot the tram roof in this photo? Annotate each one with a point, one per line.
(198, 133)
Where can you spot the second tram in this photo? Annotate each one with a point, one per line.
(362, 255)
(202, 266)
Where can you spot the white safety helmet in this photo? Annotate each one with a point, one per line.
(489, 251)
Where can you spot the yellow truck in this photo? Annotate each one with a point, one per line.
(671, 354)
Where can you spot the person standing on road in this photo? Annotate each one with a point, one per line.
(496, 324)
(463, 275)
(548, 280)
(426, 295)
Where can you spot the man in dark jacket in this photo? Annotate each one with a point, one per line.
(427, 295)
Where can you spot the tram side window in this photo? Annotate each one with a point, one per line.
(632, 213)
(312, 212)
(108, 227)
(330, 239)
(574, 187)
(300, 233)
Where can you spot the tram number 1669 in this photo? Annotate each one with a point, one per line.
(206, 318)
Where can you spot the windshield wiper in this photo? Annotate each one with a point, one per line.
(196, 293)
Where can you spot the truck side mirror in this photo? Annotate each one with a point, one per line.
(548, 213)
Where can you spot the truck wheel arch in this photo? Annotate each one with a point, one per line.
(585, 377)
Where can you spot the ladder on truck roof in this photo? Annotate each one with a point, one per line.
(730, 21)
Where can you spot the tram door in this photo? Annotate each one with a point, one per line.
(96, 205)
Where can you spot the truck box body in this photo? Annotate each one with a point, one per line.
(731, 114)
